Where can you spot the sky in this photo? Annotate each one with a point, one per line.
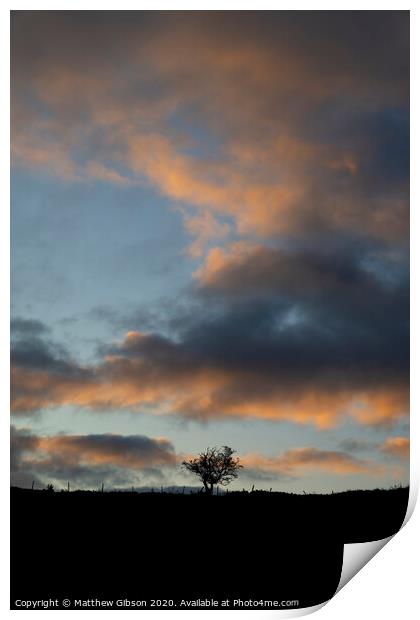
(210, 229)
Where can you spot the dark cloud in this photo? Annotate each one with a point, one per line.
(33, 350)
(27, 327)
(307, 335)
(89, 460)
(316, 308)
(22, 442)
(333, 44)
(310, 357)
(40, 354)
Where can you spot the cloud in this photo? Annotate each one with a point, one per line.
(32, 348)
(204, 227)
(22, 442)
(27, 327)
(282, 135)
(300, 461)
(242, 268)
(397, 447)
(303, 127)
(96, 170)
(240, 363)
(88, 459)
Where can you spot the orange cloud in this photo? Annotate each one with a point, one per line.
(397, 446)
(89, 459)
(220, 260)
(306, 460)
(204, 227)
(153, 374)
(133, 452)
(252, 94)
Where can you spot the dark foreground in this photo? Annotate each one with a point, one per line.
(180, 551)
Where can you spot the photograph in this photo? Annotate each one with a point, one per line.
(210, 303)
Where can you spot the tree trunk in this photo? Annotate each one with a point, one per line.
(208, 488)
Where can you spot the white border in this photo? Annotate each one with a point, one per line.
(388, 585)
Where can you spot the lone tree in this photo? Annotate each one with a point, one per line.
(214, 466)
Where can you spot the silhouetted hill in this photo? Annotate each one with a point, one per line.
(170, 546)
(351, 516)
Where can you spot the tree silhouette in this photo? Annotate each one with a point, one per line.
(214, 466)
